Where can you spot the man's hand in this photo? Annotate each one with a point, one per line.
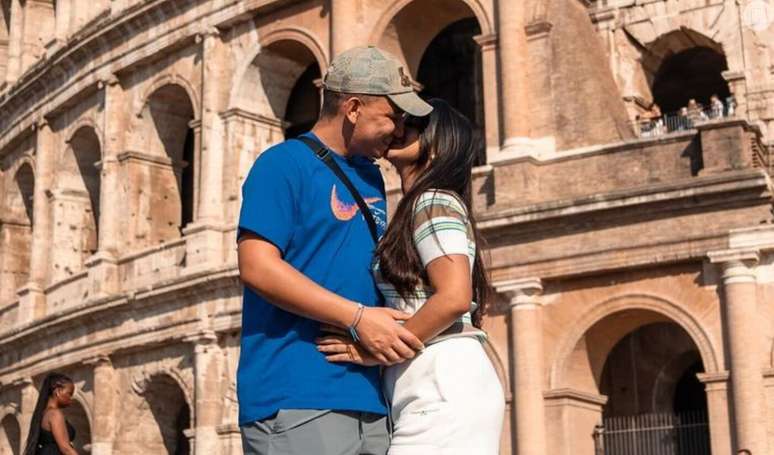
(341, 349)
(387, 341)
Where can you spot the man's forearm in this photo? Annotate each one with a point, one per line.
(287, 288)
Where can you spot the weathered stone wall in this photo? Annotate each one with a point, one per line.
(120, 119)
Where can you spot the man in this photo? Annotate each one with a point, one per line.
(305, 255)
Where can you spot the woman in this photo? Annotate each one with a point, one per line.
(448, 399)
(50, 433)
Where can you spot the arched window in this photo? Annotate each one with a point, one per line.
(156, 420)
(16, 232)
(10, 435)
(442, 56)
(695, 73)
(169, 205)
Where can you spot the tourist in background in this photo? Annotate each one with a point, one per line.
(50, 433)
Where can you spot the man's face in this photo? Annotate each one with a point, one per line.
(378, 124)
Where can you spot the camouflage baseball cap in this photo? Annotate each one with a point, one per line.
(371, 71)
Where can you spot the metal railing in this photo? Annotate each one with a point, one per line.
(654, 434)
(676, 121)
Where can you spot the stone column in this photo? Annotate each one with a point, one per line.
(744, 340)
(32, 296)
(207, 398)
(716, 388)
(39, 29)
(513, 69)
(488, 45)
(29, 397)
(527, 372)
(105, 393)
(343, 17)
(204, 244)
(16, 29)
(103, 265)
(63, 13)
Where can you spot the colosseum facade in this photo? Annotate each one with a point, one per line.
(631, 246)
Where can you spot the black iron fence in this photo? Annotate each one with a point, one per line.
(654, 434)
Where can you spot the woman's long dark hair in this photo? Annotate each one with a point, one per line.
(52, 382)
(448, 137)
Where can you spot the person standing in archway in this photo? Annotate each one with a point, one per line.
(313, 210)
(50, 433)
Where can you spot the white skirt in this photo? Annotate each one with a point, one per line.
(446, 401)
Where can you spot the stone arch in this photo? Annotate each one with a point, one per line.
(441, 53)
(79, 185)
(86, 122)
(476, 6)
(298, 34)
(16, 221)
(682, 65)
(301, 35)
(158, 413)
(275, 85)
(141, 381)
(22, 176)
(10, 433)
(652, 309)
(170, 79)
(675, 42)
(164, 195)
(398, 33)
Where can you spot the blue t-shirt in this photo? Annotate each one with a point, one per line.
(293, 200)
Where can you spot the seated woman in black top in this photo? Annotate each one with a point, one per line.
(50, 433)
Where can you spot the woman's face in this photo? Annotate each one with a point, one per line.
(404, 152)
(65, 395)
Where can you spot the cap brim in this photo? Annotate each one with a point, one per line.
(411, 102)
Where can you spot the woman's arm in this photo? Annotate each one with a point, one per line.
(450, 277)
(453, 291)
(59, 430)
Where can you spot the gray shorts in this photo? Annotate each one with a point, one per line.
(313, 432)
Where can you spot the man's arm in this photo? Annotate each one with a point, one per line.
(262, 269)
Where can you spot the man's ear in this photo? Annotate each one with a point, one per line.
(352, 108)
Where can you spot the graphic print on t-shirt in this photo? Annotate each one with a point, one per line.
(344, 211)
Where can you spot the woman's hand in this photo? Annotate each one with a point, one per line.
(341, 349)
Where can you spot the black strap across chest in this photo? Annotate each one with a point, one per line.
(325, 155)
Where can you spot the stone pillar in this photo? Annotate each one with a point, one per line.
(343, 16)
(29, 397)
(39, 29)
(513, 69)
(63, 13)
(571, 416)
(204, 244)
(103, 265)
(488, 45)
(744, 341)
(716, 388)
(32, 296)
(16, 29)
(527, 372)
(105, 404)
(207, 399)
